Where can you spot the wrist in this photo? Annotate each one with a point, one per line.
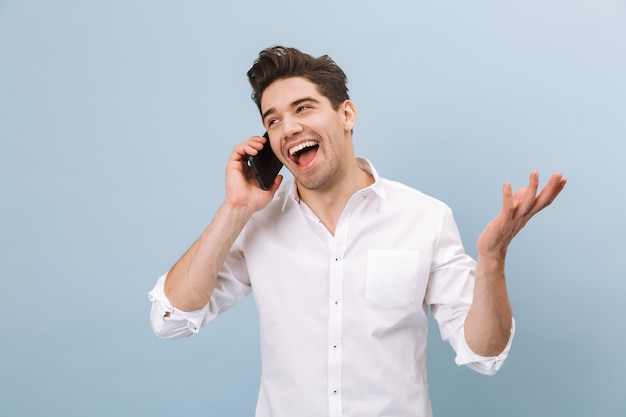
(238, 210)
(490, 264)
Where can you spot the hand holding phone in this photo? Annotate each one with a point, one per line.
(265, 164)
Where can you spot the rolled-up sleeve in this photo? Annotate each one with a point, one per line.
(486, 365)
(231, 287)
(168, 322)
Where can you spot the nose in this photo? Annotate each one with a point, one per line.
(291, 126)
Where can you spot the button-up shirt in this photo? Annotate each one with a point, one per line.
(343, 318)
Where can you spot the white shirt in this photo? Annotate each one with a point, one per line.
(343, 319)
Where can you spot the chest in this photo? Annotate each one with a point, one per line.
(375, 258)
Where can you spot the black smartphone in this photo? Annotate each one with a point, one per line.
(265, 165)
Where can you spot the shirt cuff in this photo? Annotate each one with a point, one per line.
(487, 365)
(169, 322)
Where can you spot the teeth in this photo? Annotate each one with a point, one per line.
(301, 146)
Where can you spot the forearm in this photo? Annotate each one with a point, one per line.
(190, 282)
(488, 322)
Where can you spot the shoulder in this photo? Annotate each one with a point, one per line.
(396, 193)
(400, 193)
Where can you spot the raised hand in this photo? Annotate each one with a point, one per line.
(517, 209)
(489, 320)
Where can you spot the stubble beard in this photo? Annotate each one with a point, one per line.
(322, 180)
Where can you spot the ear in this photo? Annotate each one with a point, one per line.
(348, 110)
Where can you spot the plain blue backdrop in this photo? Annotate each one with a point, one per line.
(116, 121)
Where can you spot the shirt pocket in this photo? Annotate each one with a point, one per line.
(391, 277)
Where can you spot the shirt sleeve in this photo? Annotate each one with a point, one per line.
(450, 294)
(231, 287)
(486, 365)
(171, 323)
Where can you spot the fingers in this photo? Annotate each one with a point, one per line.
(552, 189)
(242, 187)
(277, 181)
(250, 147)
(508, 200)
(518, 209)
(525, 197)
(529, 202)
(526, 200)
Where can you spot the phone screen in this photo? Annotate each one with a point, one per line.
(265, 165)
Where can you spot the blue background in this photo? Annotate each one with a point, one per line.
(116, 121)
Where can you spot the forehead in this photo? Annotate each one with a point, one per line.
(282, 93)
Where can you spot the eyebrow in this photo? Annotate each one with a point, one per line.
(293, 104)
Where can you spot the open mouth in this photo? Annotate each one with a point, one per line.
(303, 153)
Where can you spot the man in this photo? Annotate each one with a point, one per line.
(343, 264)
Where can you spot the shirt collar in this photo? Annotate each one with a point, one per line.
(291, 194)
(376, 187)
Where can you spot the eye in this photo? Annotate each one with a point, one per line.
(302, 108)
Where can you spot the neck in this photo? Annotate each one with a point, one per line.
(329, 203)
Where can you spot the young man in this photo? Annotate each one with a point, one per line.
(343, 264)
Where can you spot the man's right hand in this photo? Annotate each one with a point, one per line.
(242, 187)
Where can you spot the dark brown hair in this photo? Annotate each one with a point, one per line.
(279, 62)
